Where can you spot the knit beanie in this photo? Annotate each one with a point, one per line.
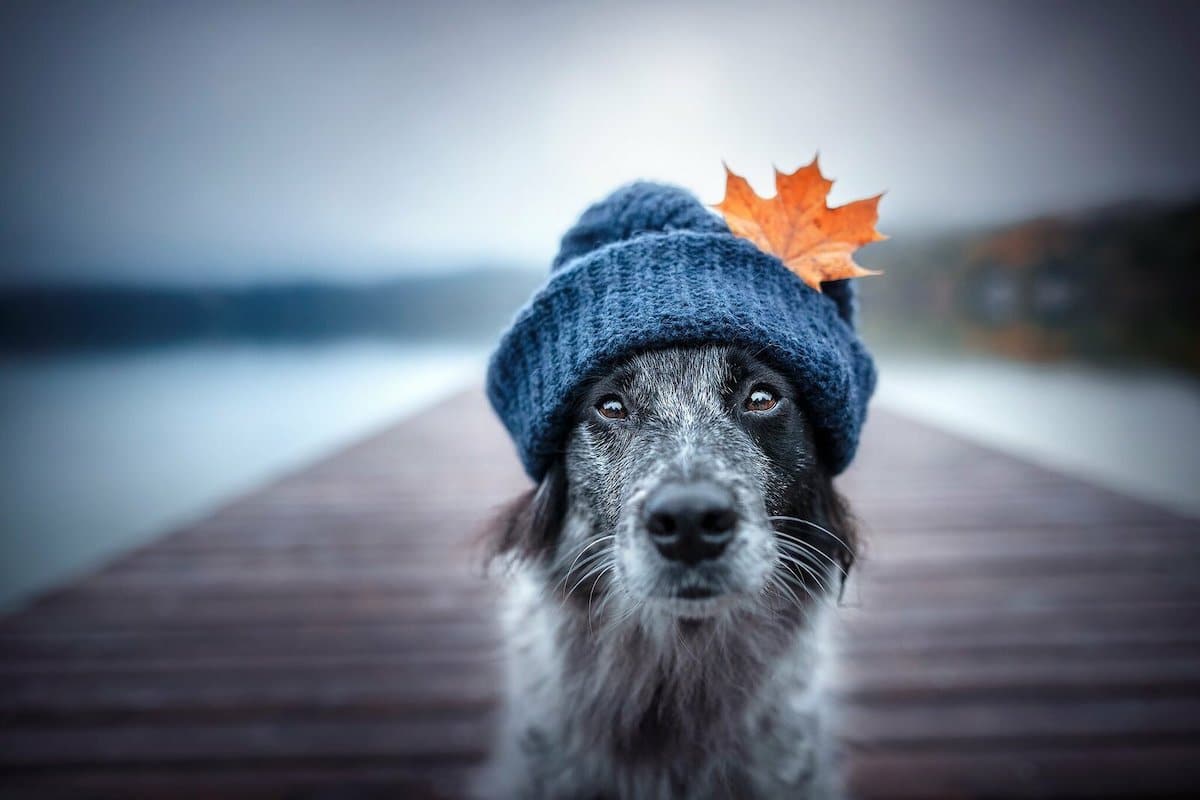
(650, 267)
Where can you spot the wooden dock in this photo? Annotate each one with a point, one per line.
(1012, 633)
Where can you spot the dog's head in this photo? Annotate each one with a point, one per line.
(690, 487)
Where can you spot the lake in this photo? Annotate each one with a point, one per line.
(101, 453)
(1133, 430)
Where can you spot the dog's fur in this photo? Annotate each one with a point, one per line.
(618, 687)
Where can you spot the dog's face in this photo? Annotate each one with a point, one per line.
(690, 487)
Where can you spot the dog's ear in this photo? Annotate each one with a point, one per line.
(528, 527)
(818, 501)
(833, 512)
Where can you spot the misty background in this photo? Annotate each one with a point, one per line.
(235, 235)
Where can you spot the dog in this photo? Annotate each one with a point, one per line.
(669, 585)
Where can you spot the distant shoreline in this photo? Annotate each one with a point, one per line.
(463, 306)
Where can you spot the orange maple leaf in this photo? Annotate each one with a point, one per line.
(810, 238)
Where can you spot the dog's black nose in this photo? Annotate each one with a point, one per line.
(690, 522)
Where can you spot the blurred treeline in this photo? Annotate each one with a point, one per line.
(465, 305)
(1117, 285)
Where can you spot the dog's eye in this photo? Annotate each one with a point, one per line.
(762, 398)
(611, 407)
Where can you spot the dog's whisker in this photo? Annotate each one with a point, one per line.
(825, 589)
(823, 530)
(595, 560)
(817, 570)
(582, 550)
(633, 609)
(598, 569)
(786, 539)
(781, 586)
(592, 593)
(807, 556)
(822, 599)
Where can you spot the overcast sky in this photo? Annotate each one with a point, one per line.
(198, 142)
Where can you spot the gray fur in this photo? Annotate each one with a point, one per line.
(616, 691)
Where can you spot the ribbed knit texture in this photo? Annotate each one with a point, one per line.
(650, 267)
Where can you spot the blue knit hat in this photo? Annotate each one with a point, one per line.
(651, 267)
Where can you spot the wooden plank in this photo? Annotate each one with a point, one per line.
(958, 723)
(434, 679)
(350, 778)
(87, 649)
(408, 739)
(1124, 769)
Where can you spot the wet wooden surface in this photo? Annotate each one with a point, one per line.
(1012, 633)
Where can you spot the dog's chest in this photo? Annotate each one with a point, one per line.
(625, 718)
(688, 725)
(661, 752)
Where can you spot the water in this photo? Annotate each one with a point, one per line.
(101, 453)
(1136, 431)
